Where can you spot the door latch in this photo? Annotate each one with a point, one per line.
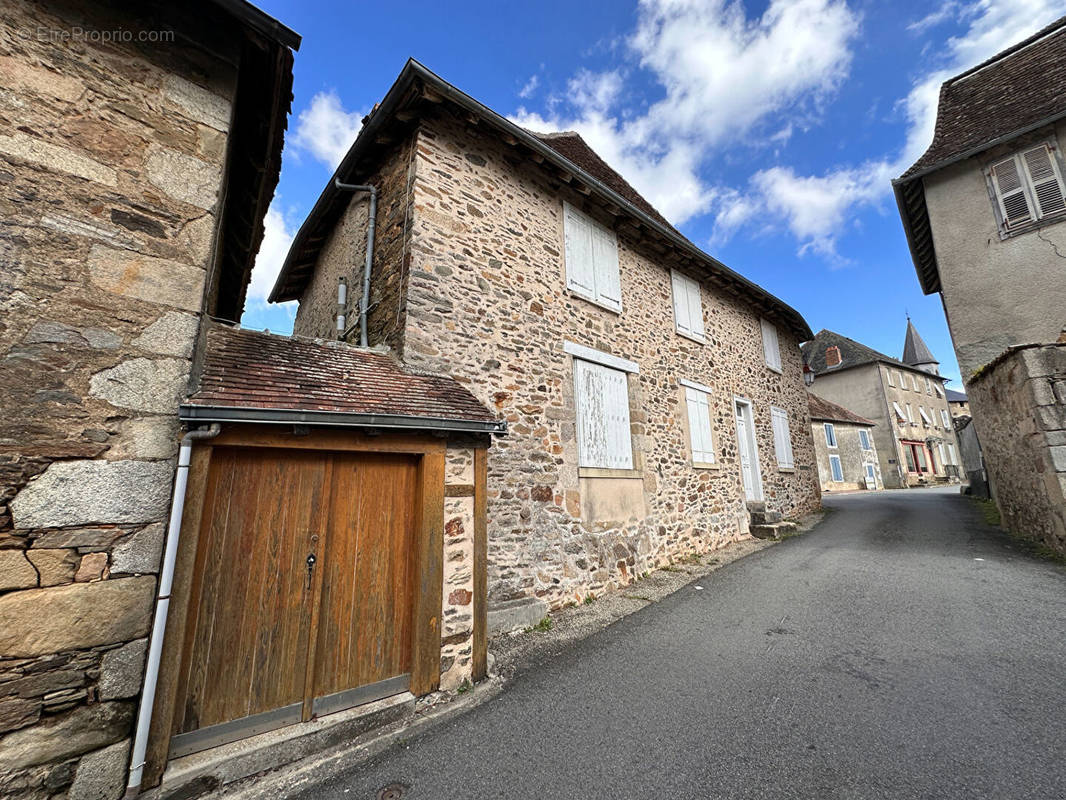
(310, 568)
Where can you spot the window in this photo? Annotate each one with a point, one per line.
(770, 347)
(1028, 187)
(591, 259)
(943, 461)
(864, 439)
(698, 401)
(945, 417)
(951, 454)
(899, 412)
(926, 419)
(688, 306)
(902, 381)
(939, 389)
(928, 386)
(834, 466)
(782, 438)
(830, 434)
(914, 383)
(888, 374)
(910, 414)
(602, 398)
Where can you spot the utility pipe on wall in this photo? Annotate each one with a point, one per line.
(162, 605)
(364, 300)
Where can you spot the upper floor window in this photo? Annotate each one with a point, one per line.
(928, 386)
(864, 439)
(782, 437)
(830, 434)
(770, 347)
(888, 375)
(591, 256)
(914, 383)
(601, 395)
(899, 412)
(925, 417)
(688, 306)
(945, 418)
(1028, 187)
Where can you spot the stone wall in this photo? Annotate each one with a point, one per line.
(111, 156)
(487, 303)
(1019, 404)
(344, 255)
(457, 615)
(853, 459)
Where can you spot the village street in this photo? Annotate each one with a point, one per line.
(900, 649)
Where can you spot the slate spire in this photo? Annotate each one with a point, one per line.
(916, 352)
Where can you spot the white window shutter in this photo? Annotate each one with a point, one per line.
(605, 259)
(782, 437)
(1010, 189)
(699, 425)
(910, 413)
(899, 411)
(770, 347)
(945, 417)
(925, 417)
(951, 453)
(1045, 180)
(888, 374)
(695, 308)
(682, 315)
(580, 273)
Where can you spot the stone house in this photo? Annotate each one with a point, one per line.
(959, 403)
(138, 152)
(624, 360)
(982, 209)
(844, 446)
(914, 436)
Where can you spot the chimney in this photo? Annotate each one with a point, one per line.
(832, 356)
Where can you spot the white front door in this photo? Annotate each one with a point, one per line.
(746, 448)
(871, 477)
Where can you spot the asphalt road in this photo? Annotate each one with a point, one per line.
(901, 649)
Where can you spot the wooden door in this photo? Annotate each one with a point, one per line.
(245, 662)
(364, 637)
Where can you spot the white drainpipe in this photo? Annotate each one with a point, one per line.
(162, 605)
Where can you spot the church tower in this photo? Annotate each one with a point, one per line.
(916, 352)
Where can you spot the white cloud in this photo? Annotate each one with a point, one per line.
(723, 74)
(943, 13)
(326, 130)
(531, 86)
(277, 237)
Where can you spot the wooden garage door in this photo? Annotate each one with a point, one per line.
(302, 595)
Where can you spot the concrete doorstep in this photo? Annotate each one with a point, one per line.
(230, 772)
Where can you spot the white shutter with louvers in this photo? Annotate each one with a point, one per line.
(695, 308)
(1045, 180)
(899, 411)
(605, 262)
(682, 317)
(782, 437)
(925, 417)
(945, 417)
(699, 426)
(951, 455)
(771, 350)
(580, 272)
(602, 399)
(1010, 190)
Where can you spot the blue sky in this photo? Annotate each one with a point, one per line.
(768, 132)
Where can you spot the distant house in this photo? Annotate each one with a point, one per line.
(845, 447)
(914, 436)
(983, 210)
(959, 403)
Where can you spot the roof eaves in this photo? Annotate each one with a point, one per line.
(414, 69)
(258, 20)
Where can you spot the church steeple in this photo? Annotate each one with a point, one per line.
(916, 353)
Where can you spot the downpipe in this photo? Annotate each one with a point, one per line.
(162, 606)
(371, 224)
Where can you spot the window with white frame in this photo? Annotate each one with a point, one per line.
(914, 383)
(888, 375)
(698, 403)
(951, 455)
(902, 380)
(939, 389)
(899, 412)
(601, 395)
(836, 469)
(925, 417)
(928, 386)
(943, 458)
(1028, 187)
(945, 417)
(770, 347)
(782, 437)
(910, 414)
(830, 434)
(864, 439)
(688, 305)
(591, 255)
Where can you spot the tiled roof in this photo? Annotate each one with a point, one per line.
(253, 370)
(956, 397)
(1020, 87)
(852, 353)
(915, 350)
(824, 410)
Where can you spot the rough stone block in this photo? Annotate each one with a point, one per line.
(92, 568)
(18, 712)
(54, 157)
(49, 332)
(155, 280)
(147, 437)
(183, 177)
(82, 730)
(24, 77)
(1041, 362)
(197, 102)
(1052, 418)
(143, 384)
(139, 552)
(173, 334)
(101, 775)
(1058, 458)
(80, 615)
(87, 492)
(516, 614)
(15, 571)
(122, 670)
(78, 537)
(55, 567)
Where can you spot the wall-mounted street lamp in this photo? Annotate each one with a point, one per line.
(808, 374)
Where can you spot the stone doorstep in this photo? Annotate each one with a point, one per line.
(774, 530)
(207, 771)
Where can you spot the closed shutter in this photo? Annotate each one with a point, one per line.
(603, 431)
(699, 425)
(782, 437)
(834, 465)
(945, 417)
(830, 434)
(943, 461)
(1010, 190)
(951, 454)
(1044, 178)
(580, 273)
(605, 260)
(910, 414)
(770, 347)
(864, 439)
(888, 374)
(682, 315)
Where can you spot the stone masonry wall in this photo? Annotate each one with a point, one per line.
(457, 615)
(111, 156)
(344, 255)
(487, 304)
(1019, 405)
(853, 459)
